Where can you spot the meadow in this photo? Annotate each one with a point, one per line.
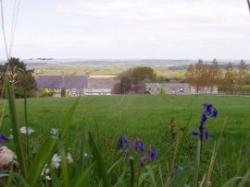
(157, 120)
(111, 70)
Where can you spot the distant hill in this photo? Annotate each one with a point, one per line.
(129, 62)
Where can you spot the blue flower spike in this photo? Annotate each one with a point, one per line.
(139, 145)
(143, 160)
(3, 138)
(123, 140)
(152, 152)
(209, 112)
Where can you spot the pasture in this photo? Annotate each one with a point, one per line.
(157, 120)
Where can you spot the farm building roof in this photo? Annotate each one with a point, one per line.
(57, 82)
(101, 82)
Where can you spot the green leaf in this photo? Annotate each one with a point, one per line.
(42, 157)
(64, 167)
(161, 176)
(132, 171)
(151, 174)
(99, 161)
(231, 181)
(83, 178)
(245, 179)
(120, 179)
(18, 141)
(21, 180)
(114, 165)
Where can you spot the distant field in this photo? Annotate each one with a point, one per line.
(101, 70)
(148, 118)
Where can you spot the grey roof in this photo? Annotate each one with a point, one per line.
(67, 82)
(101, 83)
(178, 85)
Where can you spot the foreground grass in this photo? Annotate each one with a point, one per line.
(156, 120)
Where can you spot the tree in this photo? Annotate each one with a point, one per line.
(134, 79)
(142, 74)
(242, 73)
(228, 81)
(197, 75)
(22, 79)
(214, 75)
(190, 74)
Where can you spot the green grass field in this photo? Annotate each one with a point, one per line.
(154, 119)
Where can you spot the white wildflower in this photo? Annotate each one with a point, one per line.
(69, 158)
(54, 131)
(45, 170)
(48, 178)
(56, 161)
(26, 130)
(45, 173)
(11, 137)
(86, 155)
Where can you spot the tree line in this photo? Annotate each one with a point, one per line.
(19, 76)
(228, 80)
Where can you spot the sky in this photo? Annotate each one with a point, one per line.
(130, 29)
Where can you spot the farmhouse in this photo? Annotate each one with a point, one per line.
(76, 85)
(100, 85)
(178, 88)
(73, 85)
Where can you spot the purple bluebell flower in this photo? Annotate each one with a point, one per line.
(143, 160)
(194, 133)
(206, 135)
(3, 138)
(152, 153)
(139, 145)
(203, 119)
(209, 112)
(123, 140)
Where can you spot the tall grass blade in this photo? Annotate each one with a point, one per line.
(21, 181)
(14, 121)
(2, 114)
(170, 174)
(82, 180)
(69, 116)
(232, 181)
(197, 164)
(132, 171)
(26, 125)
(161, 176)
(151, 174)
(64, 166)
(210, 168)
(245, 179)
(120, 179)
(99, 161)
(114, 165)
(42, 157)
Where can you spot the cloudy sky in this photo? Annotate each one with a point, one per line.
(95, 29)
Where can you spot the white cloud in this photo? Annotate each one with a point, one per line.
(141, 28)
